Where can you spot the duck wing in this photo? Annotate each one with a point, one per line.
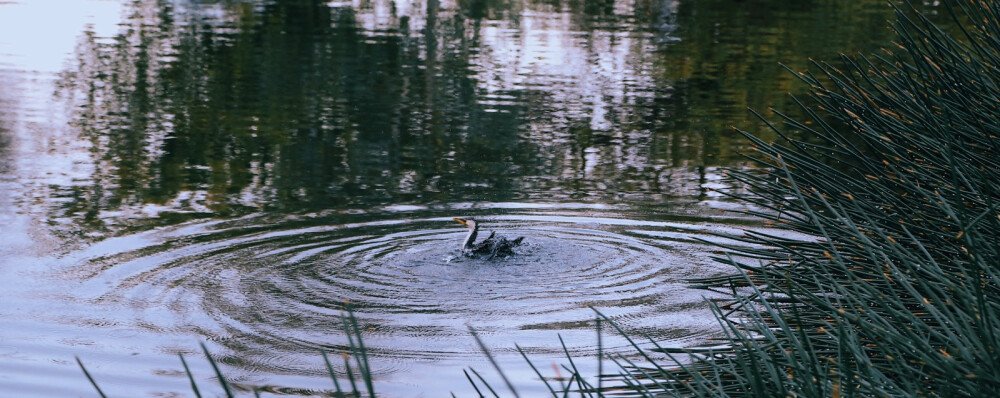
(495, 246)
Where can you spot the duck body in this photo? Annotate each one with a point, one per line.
(492, 246)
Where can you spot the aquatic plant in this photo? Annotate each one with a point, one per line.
(355, 349)
(895, 291)
(559, 386)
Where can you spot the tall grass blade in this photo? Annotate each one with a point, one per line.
(218, 373)
(572, 369)
(89, 377)
(482, 347)
(350, 375)
(361, 353)
(333, 375)
(473, 383)
(187, 371)
(532, 365)
(485, 383)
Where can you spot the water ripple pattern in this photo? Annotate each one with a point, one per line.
(272, 289)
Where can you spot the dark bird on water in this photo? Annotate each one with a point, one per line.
(493, 246)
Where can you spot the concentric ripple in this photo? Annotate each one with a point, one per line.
(273, 290)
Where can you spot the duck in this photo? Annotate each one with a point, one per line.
(492, 246)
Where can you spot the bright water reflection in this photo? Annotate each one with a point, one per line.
(231, 171)
(271, 289)
(224, 110)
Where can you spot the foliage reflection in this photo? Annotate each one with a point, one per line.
(223, 108)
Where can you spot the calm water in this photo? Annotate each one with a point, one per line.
(231, 172)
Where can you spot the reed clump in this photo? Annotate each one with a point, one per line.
(895, 290)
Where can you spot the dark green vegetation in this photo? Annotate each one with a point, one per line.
(899, 295)
(294, 105)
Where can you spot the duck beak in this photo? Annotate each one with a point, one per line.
(461, 221)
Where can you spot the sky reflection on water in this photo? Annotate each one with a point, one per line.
(213, 109)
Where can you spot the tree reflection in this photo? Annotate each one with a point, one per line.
(224, 108)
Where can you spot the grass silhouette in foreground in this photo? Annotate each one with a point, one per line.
(355, 349)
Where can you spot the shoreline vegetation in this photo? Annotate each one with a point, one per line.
(898, 179)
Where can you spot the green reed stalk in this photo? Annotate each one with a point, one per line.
(532, 365)
(218, 373)
(471, 382)
(333, 375)
(187, 371)
(493, 362)
(896, 181)
(350, 376)
(89, 377)
(360, 352)
(485, 383)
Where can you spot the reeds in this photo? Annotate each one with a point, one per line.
(355, 349)
(557, 384)
(898, 180)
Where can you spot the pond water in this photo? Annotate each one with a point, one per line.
(234, 172)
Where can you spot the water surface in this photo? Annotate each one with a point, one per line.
(234, 172)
